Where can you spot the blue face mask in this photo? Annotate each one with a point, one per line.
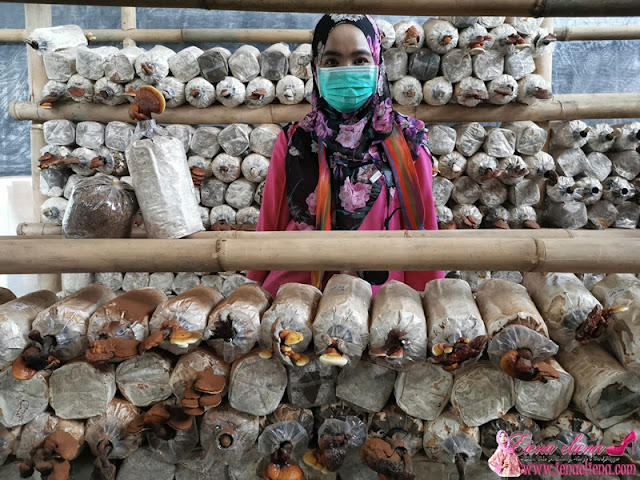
(347, 88)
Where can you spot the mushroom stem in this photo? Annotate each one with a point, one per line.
(103, 468)
(596, 323)
(461, 465)
(224, 329)
(394, 346)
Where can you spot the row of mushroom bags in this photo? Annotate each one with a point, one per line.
(402, 375)
(447, 60)
(485, 177)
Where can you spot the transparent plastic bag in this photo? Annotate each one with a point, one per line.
(227, 434)
(178, 447)
(343, 317)
(398, 331)
(273, 436)
(234, 325)
(68, 319)
(100, 207)
(190, 309)
(293, 310)
(112, 426)
(514, 337)
(564, 303)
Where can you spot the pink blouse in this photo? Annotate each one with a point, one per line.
(505, 464)
(275, 216)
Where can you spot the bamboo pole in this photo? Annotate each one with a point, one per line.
(128, 21)
(36, 230)
(524, 254)
(184, 35)
(597, 32)
(12, 35)
(272, 35)
(37, 16)
(198, 35)
(562, 107)
(519, 8)
(544, 68)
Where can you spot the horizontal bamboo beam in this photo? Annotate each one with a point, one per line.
(12, 35)
(48, 255)
(270, 35)
(562, 107)
(597, 32)
(519, 8)
(201, 35)
(35, 230)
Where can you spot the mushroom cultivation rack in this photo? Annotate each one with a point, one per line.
(592, 251)
(40, 248)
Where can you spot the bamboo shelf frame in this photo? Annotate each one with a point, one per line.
(35, 230)
(330, 252)
(525, 250)
(516, 8)
(273, 35)
(562, 107)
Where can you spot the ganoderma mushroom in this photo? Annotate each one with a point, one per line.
(112, 349)
(279, 468)
(35, 358)
(336, 437)
(147, 100)
(206, 391)
(596, 323)
(51, 457)
(518, 364)
(163, 421)
(451, 356)
(389, 458)
(174, 332)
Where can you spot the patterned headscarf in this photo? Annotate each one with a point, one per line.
(352, 141)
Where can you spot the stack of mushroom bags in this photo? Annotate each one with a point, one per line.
(501, 177)
(464, 60)
(313, 384)
(228, 165)
(599, 176)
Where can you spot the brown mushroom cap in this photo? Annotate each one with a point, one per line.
(136, 425)
(19, 368)
(209, 382)
(190, 393)
(207, 400)
(184, 337)
(61, 470)
(63, 444)
(180, 420)
(157, 414)
(148, 100)
(190, 402)
(194, 411)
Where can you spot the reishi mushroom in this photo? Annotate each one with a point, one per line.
(147, 100)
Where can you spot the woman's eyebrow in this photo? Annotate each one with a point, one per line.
(362, 52)
(334, 53)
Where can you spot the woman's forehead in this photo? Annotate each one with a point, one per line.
(346, 38)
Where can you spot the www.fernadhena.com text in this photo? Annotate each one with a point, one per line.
(584, 468)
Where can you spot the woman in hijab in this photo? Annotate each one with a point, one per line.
(504, 460)
(352, 163)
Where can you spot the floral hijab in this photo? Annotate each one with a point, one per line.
(353, 142)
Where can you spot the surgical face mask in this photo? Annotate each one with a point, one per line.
(347, 88)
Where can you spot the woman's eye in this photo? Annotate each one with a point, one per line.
(330, 62)
(362, 61)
